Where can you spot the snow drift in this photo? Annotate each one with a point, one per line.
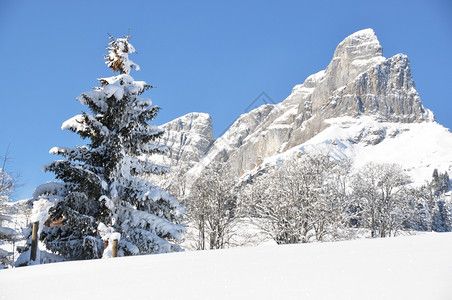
(405, 267)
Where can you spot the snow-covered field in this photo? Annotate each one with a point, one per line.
(406, 267)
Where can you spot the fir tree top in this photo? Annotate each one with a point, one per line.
(118, 55)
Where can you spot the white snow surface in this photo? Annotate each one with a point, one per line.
(418, 148)
(405, 267)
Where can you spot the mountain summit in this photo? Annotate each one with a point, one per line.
(354, 55)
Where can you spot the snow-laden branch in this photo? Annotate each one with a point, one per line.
(85, 125)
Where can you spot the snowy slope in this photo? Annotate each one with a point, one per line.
(418, 147)
(406, 267)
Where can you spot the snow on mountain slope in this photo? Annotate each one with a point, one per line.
(418, 147)
(405, 267)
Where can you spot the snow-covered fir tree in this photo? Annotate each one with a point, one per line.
(442, 208)
(433, 205)
(439, 183)
(102, 190)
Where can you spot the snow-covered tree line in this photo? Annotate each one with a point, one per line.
(102, 190)
(315, 198)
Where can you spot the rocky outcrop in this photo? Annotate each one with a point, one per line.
(189, 138)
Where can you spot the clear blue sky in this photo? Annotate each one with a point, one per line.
(206, 56)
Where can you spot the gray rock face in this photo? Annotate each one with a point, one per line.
(189, 138)
(358, 81)
(237, 136)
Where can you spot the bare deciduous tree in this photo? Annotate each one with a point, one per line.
(8, 184)
(211, 207)
(382, 198)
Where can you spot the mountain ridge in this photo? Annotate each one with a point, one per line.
(359, 81)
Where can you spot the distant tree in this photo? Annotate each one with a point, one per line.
(8, 182)
(442, 214)
(440, 183)
(336, 201)
(102, 190)
(382, 198)
(423, 209)
(441, 207)
(445, 182)
(433, 206)
(435, 175)
(7, 236)
(175, 182)
(277, 207)
(212, 207)
(8, 185)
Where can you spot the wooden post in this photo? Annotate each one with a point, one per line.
(34, 241)
(115, 248)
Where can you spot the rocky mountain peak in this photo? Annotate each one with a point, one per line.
(354, 55)
(357, 82)
(361, 45)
